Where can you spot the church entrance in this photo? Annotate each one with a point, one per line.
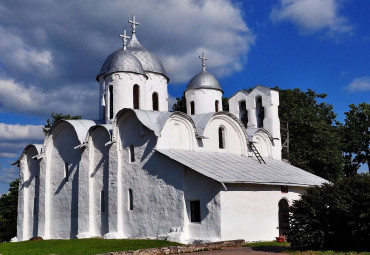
(283, 217)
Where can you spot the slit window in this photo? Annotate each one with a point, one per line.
(192, 108)
(136, 97)
(155, 101)
(195, 211)
(259, 112)
(132, 153)
(243, 113)
(217, 103)
(102, 201)
(110, 102)
(130, 200)
(66, 172)
(221, 137)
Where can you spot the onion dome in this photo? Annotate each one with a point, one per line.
(121, 60)
(149, 61)
(204, 80)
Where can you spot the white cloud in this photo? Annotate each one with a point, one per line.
(359, 84)
(312, 16)
(17, 97)
(10, 132)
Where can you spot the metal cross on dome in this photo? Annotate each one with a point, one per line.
(124, 39)
(203, 59)
(133, 23)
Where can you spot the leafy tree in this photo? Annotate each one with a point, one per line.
(333, 216)
(55, 117)
(180, 105)
(315, 142)
(8, 212)
(356, 138)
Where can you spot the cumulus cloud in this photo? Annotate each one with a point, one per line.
(359, 84)
(35, 100)
(9, 132)
(311, 16)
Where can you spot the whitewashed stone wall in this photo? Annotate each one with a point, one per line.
(204, 100)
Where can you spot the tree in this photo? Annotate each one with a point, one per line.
(333, 216)
(315, 141)
(8, 212)
(356, 138)
(55, 117)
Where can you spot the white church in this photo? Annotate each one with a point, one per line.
(141, 171)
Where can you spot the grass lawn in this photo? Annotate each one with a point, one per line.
(285, 247)
(78, 246)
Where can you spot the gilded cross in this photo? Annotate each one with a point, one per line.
(124, 39)
(203, 59)
(134, 24)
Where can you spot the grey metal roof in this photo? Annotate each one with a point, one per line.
(82, 127)
(252, 131)
(154, 120)
(149, 61)
(204, 80)
(38, 147)
(108, 128)
(232, 168)
(121, 61)
(201, 121)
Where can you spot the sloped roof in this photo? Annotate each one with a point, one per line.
(38, 147)
(232, 168)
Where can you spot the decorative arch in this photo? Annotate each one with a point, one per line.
(263, 143)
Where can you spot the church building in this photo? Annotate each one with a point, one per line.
(141, 171)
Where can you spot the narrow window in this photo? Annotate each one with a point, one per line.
(284, 189)
(34, 207)
(195, 211)
(216, 105)
(131, 200)
(192, 108)
(259, 112)
(102, 201)
(110, 102)
(132, 153)
(66, 170)
(155, 101)
(243, 113)
(136, 97)
(283, 217)
(221, 137)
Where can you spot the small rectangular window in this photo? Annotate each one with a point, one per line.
(284, 189)
(195, 211)
(132, 153)
(102, 201)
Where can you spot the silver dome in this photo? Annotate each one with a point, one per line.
(204, 80)
(150, 62)
(121, 61)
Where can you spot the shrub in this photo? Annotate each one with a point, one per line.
(333, 216)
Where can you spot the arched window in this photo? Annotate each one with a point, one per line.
(192, 108)
(155, 101)
(283, 217)
(221, 137)
(243, 113)
(259, 112)
(132, 153)
(110, 102)
(136, 97)
(217, 105)
(130, 200)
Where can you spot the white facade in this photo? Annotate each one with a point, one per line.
(116, 178)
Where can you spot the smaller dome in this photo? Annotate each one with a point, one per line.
(204, 80)
(121, 61)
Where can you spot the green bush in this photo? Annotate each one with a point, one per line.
(333, 216)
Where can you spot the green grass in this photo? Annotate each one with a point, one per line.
(78, 246)
(285, 247)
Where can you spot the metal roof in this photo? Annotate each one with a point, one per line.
(121, 61)
(232, 168)
(82, 127)
(107, 127)
(38, 147)
(149, 61)
(252, 131)
(204, 80)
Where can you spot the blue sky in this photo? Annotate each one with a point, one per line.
(51, 52)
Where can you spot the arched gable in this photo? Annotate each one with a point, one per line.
(235, 135)
(262, 141)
